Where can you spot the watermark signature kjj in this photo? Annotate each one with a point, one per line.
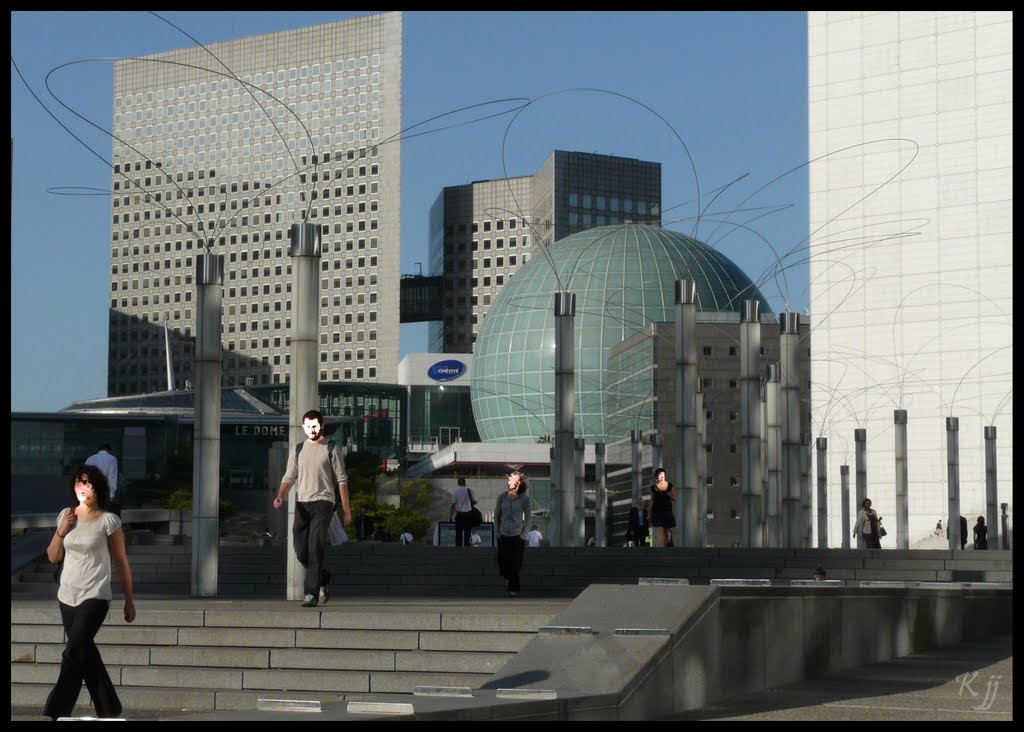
(966, 679)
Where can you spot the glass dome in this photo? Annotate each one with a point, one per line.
(623, 278)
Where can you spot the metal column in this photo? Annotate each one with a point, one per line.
(773, 449)
(687, 511)
(302, 387)
(860, 439)
(579, 529)
(899, 418)
(844, 497)
(991, 498)
(789, 424)
(635, 436)
(206, 436)
(822, 446)
(750, 424)
(600, 497)
(702, 471)
(805, 491)
(564, 478)
(953, 479)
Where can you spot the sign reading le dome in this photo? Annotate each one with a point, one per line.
(446, 370)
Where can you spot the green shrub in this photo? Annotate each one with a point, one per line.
(181, 500)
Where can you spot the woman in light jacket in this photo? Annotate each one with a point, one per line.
(867, 525)
(511, 515)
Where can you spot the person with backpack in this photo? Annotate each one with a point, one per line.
(316, 468)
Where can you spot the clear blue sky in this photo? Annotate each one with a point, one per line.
(731, 86)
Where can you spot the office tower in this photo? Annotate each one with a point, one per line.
(911, 248)
(483, 232)
(221, 149)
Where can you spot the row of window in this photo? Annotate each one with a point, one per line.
(258, 79)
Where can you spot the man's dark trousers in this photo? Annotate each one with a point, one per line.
(463, 523)
(310, 536)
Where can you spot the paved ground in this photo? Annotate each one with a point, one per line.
(971, 682)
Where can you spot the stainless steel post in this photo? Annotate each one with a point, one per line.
(991, 498)
(899, 418)
(206, 435)
(789, 424)
(822, 463)
(687, 401)
(302, 386)
(773, 449)
(565, 416)
(600, 497)
(844, 495)
(860, 439)
(579, 530)
(953, 480)
(750, 423)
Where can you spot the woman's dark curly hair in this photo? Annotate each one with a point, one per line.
(99, 483)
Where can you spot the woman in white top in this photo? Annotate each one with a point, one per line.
(867, 525)
(88, 536)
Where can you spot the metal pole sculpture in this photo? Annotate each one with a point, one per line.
(899, 418)
(953, 480)
(565, 416)
(579, 530)
(600, 497)
(991, 499)
(302, 387)
(822, 445)
(860, 439)
(206, 435)
(773, 448)
(687, 401)
(702, 471)
(844, 495)
(635, 436)
(805, 491)
(789, 424)
(750, 423)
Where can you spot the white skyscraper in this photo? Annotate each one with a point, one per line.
(911, 194)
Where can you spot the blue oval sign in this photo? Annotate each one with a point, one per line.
(446, 370)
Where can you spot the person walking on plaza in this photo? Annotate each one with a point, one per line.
(511, 513)
(663, 495)
(867, 525)
(104, 460)
(474, 538)
(963, 533)
(980, 534)
(639, 527)
(534, 538)
(461, 512)
(317, 470)
(88, 540)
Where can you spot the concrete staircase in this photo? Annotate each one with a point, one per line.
(207, 655)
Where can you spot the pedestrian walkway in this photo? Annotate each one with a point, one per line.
(970, 682)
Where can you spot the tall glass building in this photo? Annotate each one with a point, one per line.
(221, 149)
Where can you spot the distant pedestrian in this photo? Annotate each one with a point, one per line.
(104, 460)
(364, 525)
(474, 538)
(963, 533)
(980, 534)
(663, 495)
(819, 574)
(511, 512)
(405, 537)
(318, 471)
(88, 540)
(867, 525)
(639, 526)
(534, 538)
(461, 512)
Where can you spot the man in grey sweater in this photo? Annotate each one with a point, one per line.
(315, 468)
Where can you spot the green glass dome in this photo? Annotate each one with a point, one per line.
(623, 278)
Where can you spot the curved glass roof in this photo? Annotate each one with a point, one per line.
(623, 278)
